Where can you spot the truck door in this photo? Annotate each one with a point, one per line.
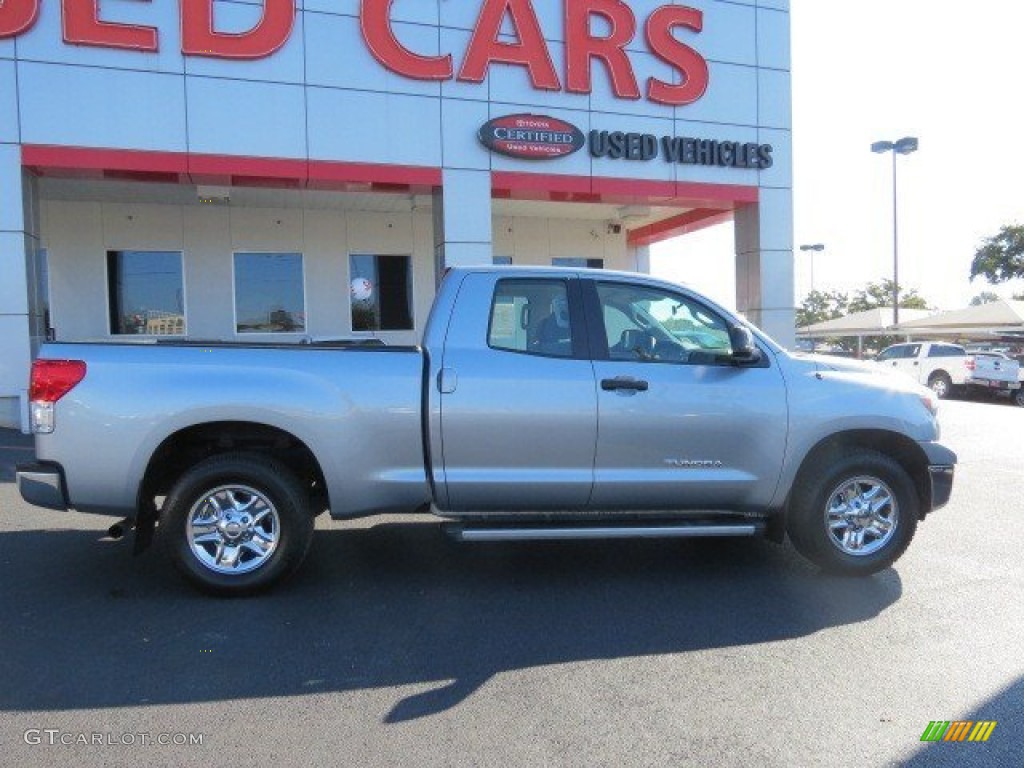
(518, 407)
(680, 426)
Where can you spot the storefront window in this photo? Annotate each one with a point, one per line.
(269, 295)
(578, 263)
(381, 292)
(146, 293)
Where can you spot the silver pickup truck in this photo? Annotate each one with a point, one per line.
(543, 404)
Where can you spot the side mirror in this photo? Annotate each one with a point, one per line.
(744, 350)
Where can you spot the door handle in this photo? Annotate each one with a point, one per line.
(624, 382)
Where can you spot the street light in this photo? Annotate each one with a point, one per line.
(904, 146)
(813, 248)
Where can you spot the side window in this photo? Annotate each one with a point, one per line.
(892, 353)
(531, 317)
(650, 325)
(946, 350)
(910, 351)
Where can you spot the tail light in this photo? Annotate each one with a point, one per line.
(51, 380)
(970, 363)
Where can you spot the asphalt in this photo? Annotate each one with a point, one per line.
(397, 646)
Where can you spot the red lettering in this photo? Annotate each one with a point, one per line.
(530, 51)
(198, 37)
(581, 46)
(17, 16)
(375, 21)
(664, 45)
(80, 20)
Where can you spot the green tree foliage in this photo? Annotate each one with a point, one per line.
(1001, 258)
(985, 297)
(819, 306)
(880, 295)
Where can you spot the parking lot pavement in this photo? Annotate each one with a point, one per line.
(396, 646)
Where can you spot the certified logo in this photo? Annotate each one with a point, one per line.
(531, 137)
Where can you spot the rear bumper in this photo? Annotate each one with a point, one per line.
(996, 384)
(42, 485)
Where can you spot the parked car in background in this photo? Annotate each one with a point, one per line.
(1018, 394)
(948, 368)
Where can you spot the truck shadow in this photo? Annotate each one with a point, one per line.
(396, 604)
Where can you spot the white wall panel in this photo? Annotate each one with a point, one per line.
(728, 33)
(460, 125)
(731, 97)
(781, 173)
(9, 128)
(773, 39)
(325, 248)
(89, 107)
(775, 99)
(511, 84)
(338, 56)
(366, 127)
(208, 288)
(245, 118)
(286, 65)
(45, 40)
(73, 237)
(415, 11)
(14, 284)
(128, 227)
(12, 201)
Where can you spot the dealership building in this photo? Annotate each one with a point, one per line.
(287, 170)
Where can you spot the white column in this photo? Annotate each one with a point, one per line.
(462, 219)
(19, 244)
(764, 264)
(640, 255)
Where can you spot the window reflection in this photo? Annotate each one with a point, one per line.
(269, 294)
(146, 293)
(381, 292)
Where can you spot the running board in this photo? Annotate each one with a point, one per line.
(623, 531)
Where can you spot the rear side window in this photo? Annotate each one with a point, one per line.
(531, 317)
(946, 350)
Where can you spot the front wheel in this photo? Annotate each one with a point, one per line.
(236, 524)
(854, 516)
(1018, 396)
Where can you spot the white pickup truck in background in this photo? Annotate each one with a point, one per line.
(948, 368)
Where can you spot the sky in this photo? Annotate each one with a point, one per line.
(870, 70)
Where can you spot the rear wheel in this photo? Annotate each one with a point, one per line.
(855, 515)
(941, 384)
(236, 524)
(1018, 396)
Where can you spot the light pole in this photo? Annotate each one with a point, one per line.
(904, 146)
(816, 247)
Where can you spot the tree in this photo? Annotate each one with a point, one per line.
(880, 295)
(1001, 258)
(820, 306)
(985, 297)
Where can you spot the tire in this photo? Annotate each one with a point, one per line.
(824, 527)
(236, 524)
(941, 385)
(1018, 396)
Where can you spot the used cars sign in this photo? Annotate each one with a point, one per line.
(534, 137)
